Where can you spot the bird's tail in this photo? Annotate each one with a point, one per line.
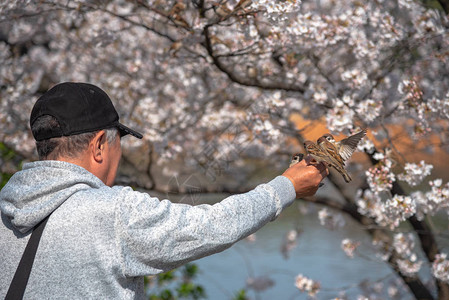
(346, 176)
(343, 173)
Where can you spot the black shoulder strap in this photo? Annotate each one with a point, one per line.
(20, 280)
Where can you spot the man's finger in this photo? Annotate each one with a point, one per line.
(321, 167)
(324, 171)
(308, 159)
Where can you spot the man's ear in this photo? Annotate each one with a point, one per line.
(97, 146)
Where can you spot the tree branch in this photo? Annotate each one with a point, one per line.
(445, 5)
(244, 80)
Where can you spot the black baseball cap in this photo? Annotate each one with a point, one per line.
(79, 108)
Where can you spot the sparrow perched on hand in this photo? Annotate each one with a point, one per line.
(296, 159)
(317, 153)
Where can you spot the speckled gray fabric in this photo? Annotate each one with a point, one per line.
(100, 241)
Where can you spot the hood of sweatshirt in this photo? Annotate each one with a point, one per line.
(41, 187)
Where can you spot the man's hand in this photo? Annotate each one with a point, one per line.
(306, 177)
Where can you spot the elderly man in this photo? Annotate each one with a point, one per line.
(100, 240)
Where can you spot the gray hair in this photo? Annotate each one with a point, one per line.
(65, 146)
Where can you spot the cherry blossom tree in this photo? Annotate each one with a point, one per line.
(216, 84)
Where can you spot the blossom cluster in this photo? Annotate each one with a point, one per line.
(392, 210)
(370, 204)
(349, 246)
(432, 201)
(305, 284)
(415, 173)
(404, 243)
(424, 111)
(412, 93)
(383, 248)
(289, 242)
(440, 107)
(355, 77)
(440, 267)
(274, 8)
(439, 194)
(366, 145)
(399, 208)
(379, 177)
(389, 212)
(409, 267)
(408, 263)
(331, 220)
(341, 116)
(370, 109)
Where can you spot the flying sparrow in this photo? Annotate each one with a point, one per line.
(346, 146)
(341, 151)
(331, 149)
(336, 160)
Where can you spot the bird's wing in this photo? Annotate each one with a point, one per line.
(333, 152)
(348, 145)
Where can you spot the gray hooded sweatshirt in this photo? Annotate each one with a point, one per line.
(100, 241)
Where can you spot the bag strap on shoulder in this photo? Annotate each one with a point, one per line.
(19, 282)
